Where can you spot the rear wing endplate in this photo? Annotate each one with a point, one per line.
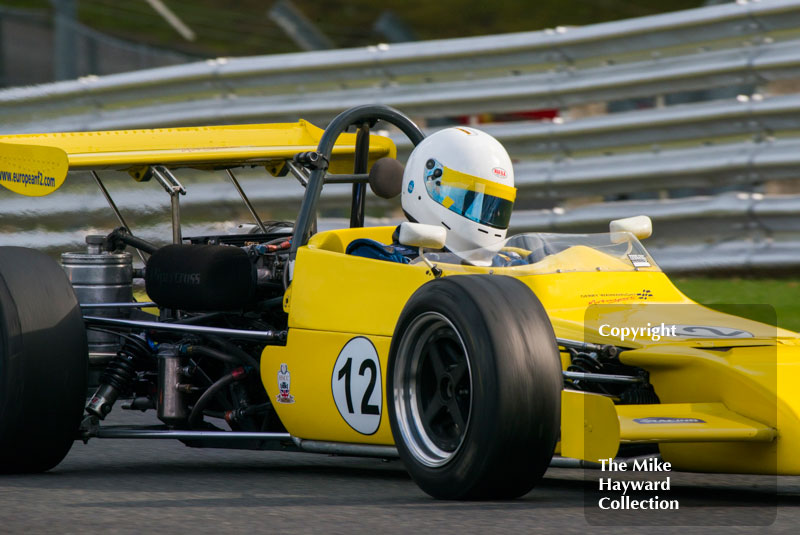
(32, 170)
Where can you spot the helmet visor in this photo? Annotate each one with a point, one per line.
(475, 198)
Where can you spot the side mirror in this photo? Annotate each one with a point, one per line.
(419, 235)
(640, 226)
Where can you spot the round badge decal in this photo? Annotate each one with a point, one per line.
(356, 385)
(410, 186)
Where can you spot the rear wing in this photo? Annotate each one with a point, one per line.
(37, 164)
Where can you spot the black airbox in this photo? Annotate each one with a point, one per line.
(200, 277)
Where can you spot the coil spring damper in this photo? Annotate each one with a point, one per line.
(118, 376)
(171, 407)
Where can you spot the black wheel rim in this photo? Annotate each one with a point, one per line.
(433, 389)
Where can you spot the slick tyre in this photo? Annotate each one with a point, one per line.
(474, 386)
(43, 362)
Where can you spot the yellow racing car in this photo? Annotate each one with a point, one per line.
(474, 374)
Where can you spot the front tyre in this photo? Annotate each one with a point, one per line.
(474, 379)
(43, 362)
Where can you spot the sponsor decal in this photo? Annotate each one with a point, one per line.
(668, 420)
(284, 384)
(639, 260)
(620, 297)
(356, 385)
(175, 277)
(32, 170)
(707, 331)
(499, 172)
(411, 186)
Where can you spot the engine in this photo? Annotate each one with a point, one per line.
(219, 301)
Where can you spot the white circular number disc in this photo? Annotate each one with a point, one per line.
(356, 385)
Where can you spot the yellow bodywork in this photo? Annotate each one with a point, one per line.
(334, 298)
(726, 405)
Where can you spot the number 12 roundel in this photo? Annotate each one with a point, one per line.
(356, 385)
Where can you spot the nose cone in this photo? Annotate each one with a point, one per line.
(757, 380)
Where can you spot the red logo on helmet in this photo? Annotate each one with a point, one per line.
(499, 172)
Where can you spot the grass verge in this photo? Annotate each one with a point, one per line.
(782, 294)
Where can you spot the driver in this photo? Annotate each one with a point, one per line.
(462, 179)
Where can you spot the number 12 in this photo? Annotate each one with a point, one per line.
(345, 373)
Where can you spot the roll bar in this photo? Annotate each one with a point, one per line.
(363, 117)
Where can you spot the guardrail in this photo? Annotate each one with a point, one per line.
(733, 44)
(752, 118)
(705, 146)
(734, 232)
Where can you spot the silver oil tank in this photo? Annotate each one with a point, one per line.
(100, 277)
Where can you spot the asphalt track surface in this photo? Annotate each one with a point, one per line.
(146, 486)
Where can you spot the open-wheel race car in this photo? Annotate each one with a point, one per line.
(284, 339)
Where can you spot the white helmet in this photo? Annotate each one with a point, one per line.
(462, 178)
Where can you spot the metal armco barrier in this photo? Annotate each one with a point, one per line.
(737, 43)
(579, 164)
(731, 232)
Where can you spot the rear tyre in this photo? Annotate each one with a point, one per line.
(475, 382)
(43, 362)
